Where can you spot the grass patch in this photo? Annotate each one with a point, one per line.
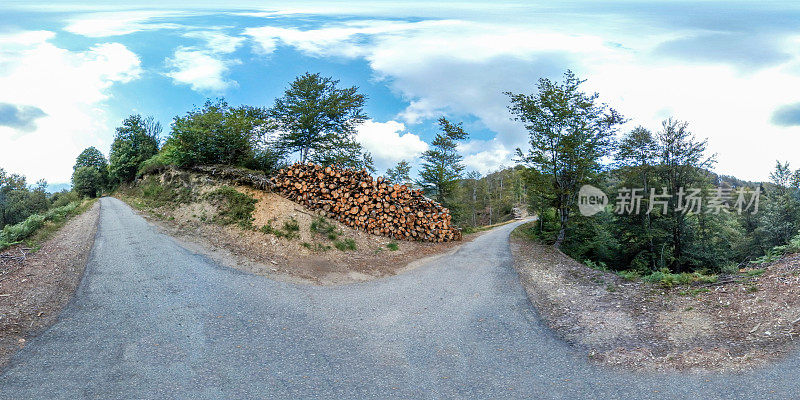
(322, 226)
(345, 244)
(234, 207)
(315, 246)
(155, 194)
(393, 246)
(39, 227)
(290, 229)
(755, 272)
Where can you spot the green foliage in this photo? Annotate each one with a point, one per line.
(61, 199)
(570, 132)
(667, 279)
(290, 229)
(755, 272)
(218, 134)
(13, 234)
(18, 200)
(400, 174)
(135, 142)
(90, 173)
(88, 181)
(157, 194)
(318, 120)
(393, 246)
(159, 162)
(629, 275)
(441, 167)
(345, 244)
(324, 227)
(316, 246)
(91, 157)
(234, 207)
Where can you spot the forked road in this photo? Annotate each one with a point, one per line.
(153, 320)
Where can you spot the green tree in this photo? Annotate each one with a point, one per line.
(570, 132)
(135, 141)
(441, 167)
(683, 166)
(636, 158)
(87, 181)
(220, 134)
(400, 174)
(93, 159)
(318, 120)
(17, 200)
(779, 218)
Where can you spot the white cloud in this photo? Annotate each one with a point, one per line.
(485, 156)
(70, 87)
(388, 144)
(116, 23)
(204, 68)
(216, 41)
(461, 67)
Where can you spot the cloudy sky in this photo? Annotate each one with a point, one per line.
(70, 72)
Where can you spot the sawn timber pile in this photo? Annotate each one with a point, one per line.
(355, 199)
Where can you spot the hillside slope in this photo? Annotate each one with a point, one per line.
(271, 236)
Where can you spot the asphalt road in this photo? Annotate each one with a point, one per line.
(153, 320)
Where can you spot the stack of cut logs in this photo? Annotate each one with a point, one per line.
(374, 205)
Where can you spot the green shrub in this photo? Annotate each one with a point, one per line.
(12, 234)
(345, 244)
(629, 275)
(290, 230)
(324, 227)
(667, 279)
(157, 163)
(601, 266)
(234, 207)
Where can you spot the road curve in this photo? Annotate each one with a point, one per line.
(153, 320)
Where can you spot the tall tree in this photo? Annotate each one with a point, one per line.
(401, 173)
(570, 132)
(682, 162)
(318, 120)
(135, 141)
(442, 167)
(636, 157)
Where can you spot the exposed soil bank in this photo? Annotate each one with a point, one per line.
(739, 323)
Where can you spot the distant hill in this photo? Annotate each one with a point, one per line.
(57, 187)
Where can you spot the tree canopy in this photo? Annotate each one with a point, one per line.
(218, 134)
(135, 141)
(318, 120)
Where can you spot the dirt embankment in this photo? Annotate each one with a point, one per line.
(34, 290)
(740, 323)
(307, 255)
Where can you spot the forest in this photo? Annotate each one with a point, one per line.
(574, 140)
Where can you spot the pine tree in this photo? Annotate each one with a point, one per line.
(442, 167)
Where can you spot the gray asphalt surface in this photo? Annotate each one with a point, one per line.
(152, 320)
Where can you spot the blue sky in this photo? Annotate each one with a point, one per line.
(70, 72)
